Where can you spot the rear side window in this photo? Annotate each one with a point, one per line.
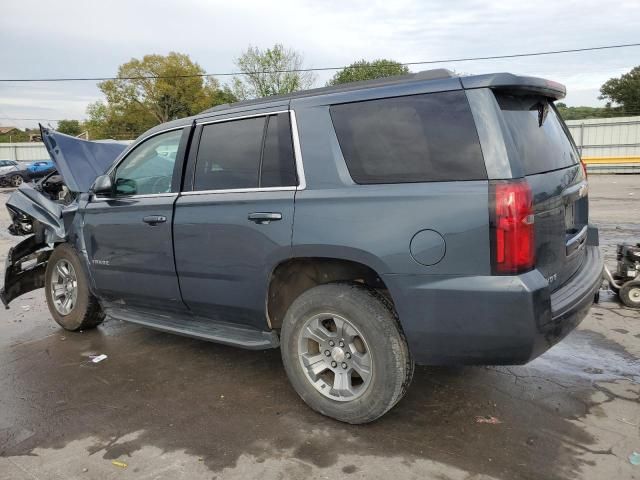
(229, 155)
(417, 138)
(278, 163)
(247, 153)
(540, 138)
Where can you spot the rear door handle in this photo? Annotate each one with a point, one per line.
(154, 219)
(263, 218)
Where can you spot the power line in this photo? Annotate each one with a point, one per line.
(300, 70)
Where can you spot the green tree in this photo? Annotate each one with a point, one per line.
(151, 91)
(364, 70)
(16, 135)
(268, 72)
(624, 91)
(579, 113)
(70, 127)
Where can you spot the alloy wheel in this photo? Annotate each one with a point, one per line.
(64, 287)
(335, 357)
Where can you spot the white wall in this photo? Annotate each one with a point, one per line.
(23, 152)
(607, 137)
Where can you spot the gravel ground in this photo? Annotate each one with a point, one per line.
(171, 407)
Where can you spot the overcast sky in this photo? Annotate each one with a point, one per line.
(91, 38)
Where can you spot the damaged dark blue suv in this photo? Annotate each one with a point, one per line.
(361, 228)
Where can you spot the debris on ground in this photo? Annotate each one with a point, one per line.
(118, 463)
(634, 458)
(488, 419)
(98, 358)
(624, 420)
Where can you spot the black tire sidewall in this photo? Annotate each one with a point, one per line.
(75, 320)
(392, 366)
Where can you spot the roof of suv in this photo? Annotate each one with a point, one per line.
(436, 74)
(542, 86)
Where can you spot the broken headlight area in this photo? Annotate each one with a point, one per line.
(21, 224)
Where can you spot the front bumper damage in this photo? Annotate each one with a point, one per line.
(25, 269)
(46, 221)
(43, 220)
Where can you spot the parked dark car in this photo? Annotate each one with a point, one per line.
(13, 174)
(361, 228)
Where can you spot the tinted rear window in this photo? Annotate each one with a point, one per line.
(229, 155)
(417, 138)
(541, 140)
(278, 163)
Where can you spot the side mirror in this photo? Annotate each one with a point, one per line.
(102, 186)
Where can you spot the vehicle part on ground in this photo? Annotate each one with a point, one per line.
(70, 302)
(367, 369)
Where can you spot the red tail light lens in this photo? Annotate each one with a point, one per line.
(512, 227)
(584, 169)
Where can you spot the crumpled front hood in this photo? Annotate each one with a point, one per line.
(79, 161)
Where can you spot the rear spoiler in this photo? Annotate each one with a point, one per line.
(508, 81)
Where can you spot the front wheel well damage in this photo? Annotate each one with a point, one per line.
(294, 276)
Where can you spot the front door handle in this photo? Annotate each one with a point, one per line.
(154, 219)
(264, 218)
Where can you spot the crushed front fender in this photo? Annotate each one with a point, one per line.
(28, 201)
(25, 269)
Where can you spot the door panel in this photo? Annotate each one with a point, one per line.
(132, 260)
(128, 233)
(223, 258)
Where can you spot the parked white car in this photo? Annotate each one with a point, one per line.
(7, 165)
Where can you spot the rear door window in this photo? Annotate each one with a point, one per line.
(229, 155)
(417, 138)
(248, 153)
(278, 163)
(540, 137)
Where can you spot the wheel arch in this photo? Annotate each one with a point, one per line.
(293, 276)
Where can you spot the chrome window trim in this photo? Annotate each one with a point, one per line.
(242, 117)
(297, 151)
(297, 155)
(95, 198)
(242, 190)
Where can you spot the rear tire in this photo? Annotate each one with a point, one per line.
(630, 294)
(344, 352)
(70, 302)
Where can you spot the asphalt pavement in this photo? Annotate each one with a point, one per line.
(163, 406)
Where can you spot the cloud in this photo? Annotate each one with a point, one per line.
(91, 38)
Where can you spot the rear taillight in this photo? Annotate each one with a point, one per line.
(512, 228)
(584, 168)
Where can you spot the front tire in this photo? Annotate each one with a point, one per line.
(70, 302)
(344, 352)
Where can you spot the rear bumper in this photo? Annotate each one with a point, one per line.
(491, 319)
